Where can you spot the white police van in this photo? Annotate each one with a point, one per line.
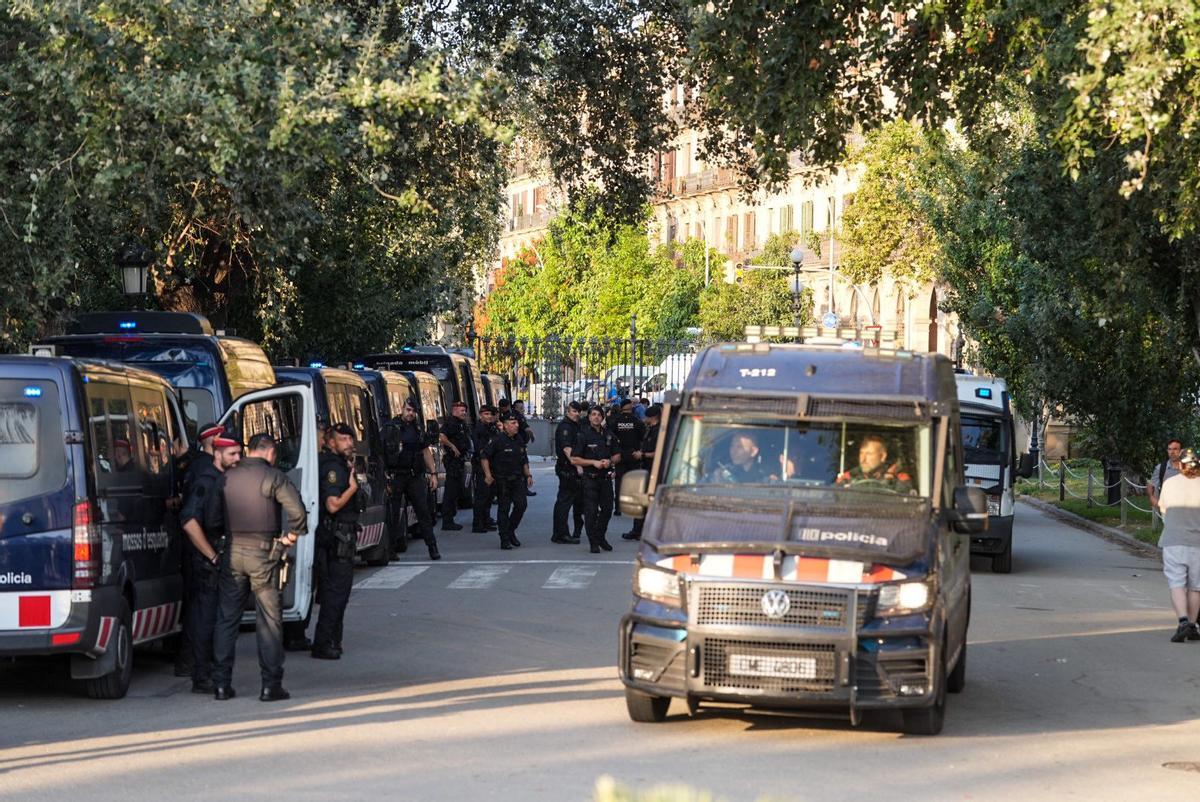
(991, 463)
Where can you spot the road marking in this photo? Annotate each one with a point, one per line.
(391, 578)
(479, 578)
(570, 578)
(625, 563)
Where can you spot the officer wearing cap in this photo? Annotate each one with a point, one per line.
(337, 540)
(250, 505)
(191, 464)
(506, 468)
(414, 473)
(203, 554)
(457, 448)
(644, 456)
(596, 451)
(629, 431)
(570, 485)
(485, 430)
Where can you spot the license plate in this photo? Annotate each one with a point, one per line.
(993, 507)
(746, 665)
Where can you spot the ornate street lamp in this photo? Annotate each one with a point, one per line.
(134, 262)
(797, 283)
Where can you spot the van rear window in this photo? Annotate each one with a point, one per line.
(32, 450)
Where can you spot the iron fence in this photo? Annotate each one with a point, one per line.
(549, 372)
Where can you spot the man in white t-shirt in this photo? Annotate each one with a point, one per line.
(1179, 503)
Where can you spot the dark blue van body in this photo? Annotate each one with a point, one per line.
(89, 544)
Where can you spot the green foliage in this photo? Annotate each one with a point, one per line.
(761, 298)
(886, 229)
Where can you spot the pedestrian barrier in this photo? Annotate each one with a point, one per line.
(1097, 489)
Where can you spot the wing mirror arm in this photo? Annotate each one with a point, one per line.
(970, 515)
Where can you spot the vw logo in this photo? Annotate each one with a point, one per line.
(775, 604)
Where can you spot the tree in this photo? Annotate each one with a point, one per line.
(760, 298)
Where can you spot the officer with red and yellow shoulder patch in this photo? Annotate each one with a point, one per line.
(873, 466)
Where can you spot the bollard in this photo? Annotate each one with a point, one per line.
(1062, 478)
(1124, 503)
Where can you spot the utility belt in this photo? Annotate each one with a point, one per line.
(342, 536)
(408, 473)
(260, 540)
(597, 474)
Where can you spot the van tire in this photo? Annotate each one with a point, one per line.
(381, 554)
(115, 684)
(929, 720)
(956, 681)
(1002, 563)
(645, 708)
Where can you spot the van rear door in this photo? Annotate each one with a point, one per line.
(288, 414)
(37, 494)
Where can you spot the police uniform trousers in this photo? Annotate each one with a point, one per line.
(597, 505)
(245, 569)
(201, 620)
(511, 504)
(335, 577)
(482, 505)
(184, 658)
(569, 500)
(414, 487)
(456, 477)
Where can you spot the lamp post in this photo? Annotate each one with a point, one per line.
(797, 283)
(134, 261)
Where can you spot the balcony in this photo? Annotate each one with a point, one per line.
(529, 222)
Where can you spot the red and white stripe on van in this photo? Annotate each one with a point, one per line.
(794, 569)
(154, 622)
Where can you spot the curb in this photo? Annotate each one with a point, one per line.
(1100, 530)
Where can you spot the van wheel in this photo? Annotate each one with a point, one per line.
(382, 554)
(929, 720)
(957, 679)
(115, 684)
(645, 708)
(1002, 563)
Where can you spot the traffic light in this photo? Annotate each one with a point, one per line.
(733, 273)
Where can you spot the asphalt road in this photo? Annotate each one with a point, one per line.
(491, 675)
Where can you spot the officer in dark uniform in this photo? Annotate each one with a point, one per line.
(570, 485)
(506, 468)
(523, 430)
(597, 451)
(414, 472)
(251, 504)
(629, 430)
(485, 430)
(204, 554)
(337, 540)
(457, 448)
(645, 458)
(874, 469)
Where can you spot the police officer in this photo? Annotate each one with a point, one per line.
(457, 448)
(251, 504)
(204, 554)
(414, 473)
(645, 458)
(570, 486)
(485, 430)
(873, 467)
(506, 468)
(596, 451)
(337, 540)
(629, 431)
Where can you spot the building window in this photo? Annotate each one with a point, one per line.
(785, 219)
(806, 218)
(830, 212)
(750, 236)
(731, 232)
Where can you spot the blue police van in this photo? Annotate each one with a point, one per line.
(89, 542)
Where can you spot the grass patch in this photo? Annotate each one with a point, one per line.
(1139, 524)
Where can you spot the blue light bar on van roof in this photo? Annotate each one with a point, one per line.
(983, 392)
(316, 364)
(33, 392)
(128, 324)
(359, 366)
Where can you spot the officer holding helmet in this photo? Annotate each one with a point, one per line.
(414, 472)
(506, 468)
(597, 451)
(337, 540)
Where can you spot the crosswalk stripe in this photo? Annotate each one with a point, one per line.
(392, 577)
(570, 578)
(479, 578)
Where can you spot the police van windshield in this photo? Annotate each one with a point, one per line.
(984, 439)
(32, 451)
(872, 458)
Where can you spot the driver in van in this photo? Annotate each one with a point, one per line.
(873, 467)
(743, 466)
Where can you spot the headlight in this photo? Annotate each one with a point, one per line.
(993, 506)
(905, 597)
(657, 585)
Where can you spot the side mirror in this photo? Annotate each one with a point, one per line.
(635, 493)
(1026, 465)
(970, 510)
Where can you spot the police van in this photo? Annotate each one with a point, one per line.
(806, 537)
(496, 386)
(341, 396)
(458, 374)
(990, 453)
(210, 369)
(89, 547)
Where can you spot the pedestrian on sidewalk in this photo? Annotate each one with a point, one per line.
(1180, 543)
(1164, 470)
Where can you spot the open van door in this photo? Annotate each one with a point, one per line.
(289, 415)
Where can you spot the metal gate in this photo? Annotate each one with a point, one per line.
(549, 372)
